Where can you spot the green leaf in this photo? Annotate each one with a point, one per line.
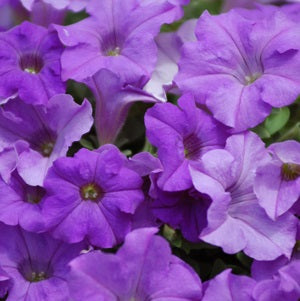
(277, 120)
(87, 144)
(172, 236)
(262, 132)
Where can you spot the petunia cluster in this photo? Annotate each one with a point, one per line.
(144, 156)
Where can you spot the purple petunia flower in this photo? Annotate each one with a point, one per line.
(113, 100)
(184, 210)
(229, 287)
(233, 66)
(30, 64)
(277, 280)
(146, 166)
(92, 196)
(235, 220)
(182, 135)
(46, 12)
(277, 183)
(36, 264)
(146, 271)
(169, 45)
(47, 130)
(118, 36)
(20, 203)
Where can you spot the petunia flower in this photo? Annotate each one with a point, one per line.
(113, 100)
(235, 62)
(169, 46)
(277, 183)
(182, 135)
(118, 36)
(146, 270)
(184, 210)
(146, 166)
(235, 219)
(46, 132)
(36, 264)
(229, 287)
(91, 196)
(30, 64)
(276, 280)
(20, 203)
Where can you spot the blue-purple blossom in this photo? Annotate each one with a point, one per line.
(184, 210)
(92, 197)
(277, 183)
(229, 287)
(20, 203)
(182, 135)
(147, 167)
(277, 280)
(235, 62)
(235, 219)
(143, 269)
(30, 64)
(113, 100)
(169, 46)
(37, 264)
(46, 132)
(118, 36)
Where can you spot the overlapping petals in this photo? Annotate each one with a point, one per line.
(146, 270)
(30, 57)
(235, 61)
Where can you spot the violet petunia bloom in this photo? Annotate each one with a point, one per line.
(276, 280)
(182, 135)
(92, 196)
(30, 64)
(113, 100)
(277, 183)
(36, 263)
(146, 270)
(235, 62)
(46, 132)
(118, 36)
(229, 287)
(46, 12)
(20, 204)
(235, 219)
(184, 210)
(169, 45)
(146, 166)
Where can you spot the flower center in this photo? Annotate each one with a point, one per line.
(114, 52)
(192, 147)
(250, 79)
(91, 192)
(38, 276)
(34, 194)
(47, 148)
(34, 271)
(290, 171)
(31, 63)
